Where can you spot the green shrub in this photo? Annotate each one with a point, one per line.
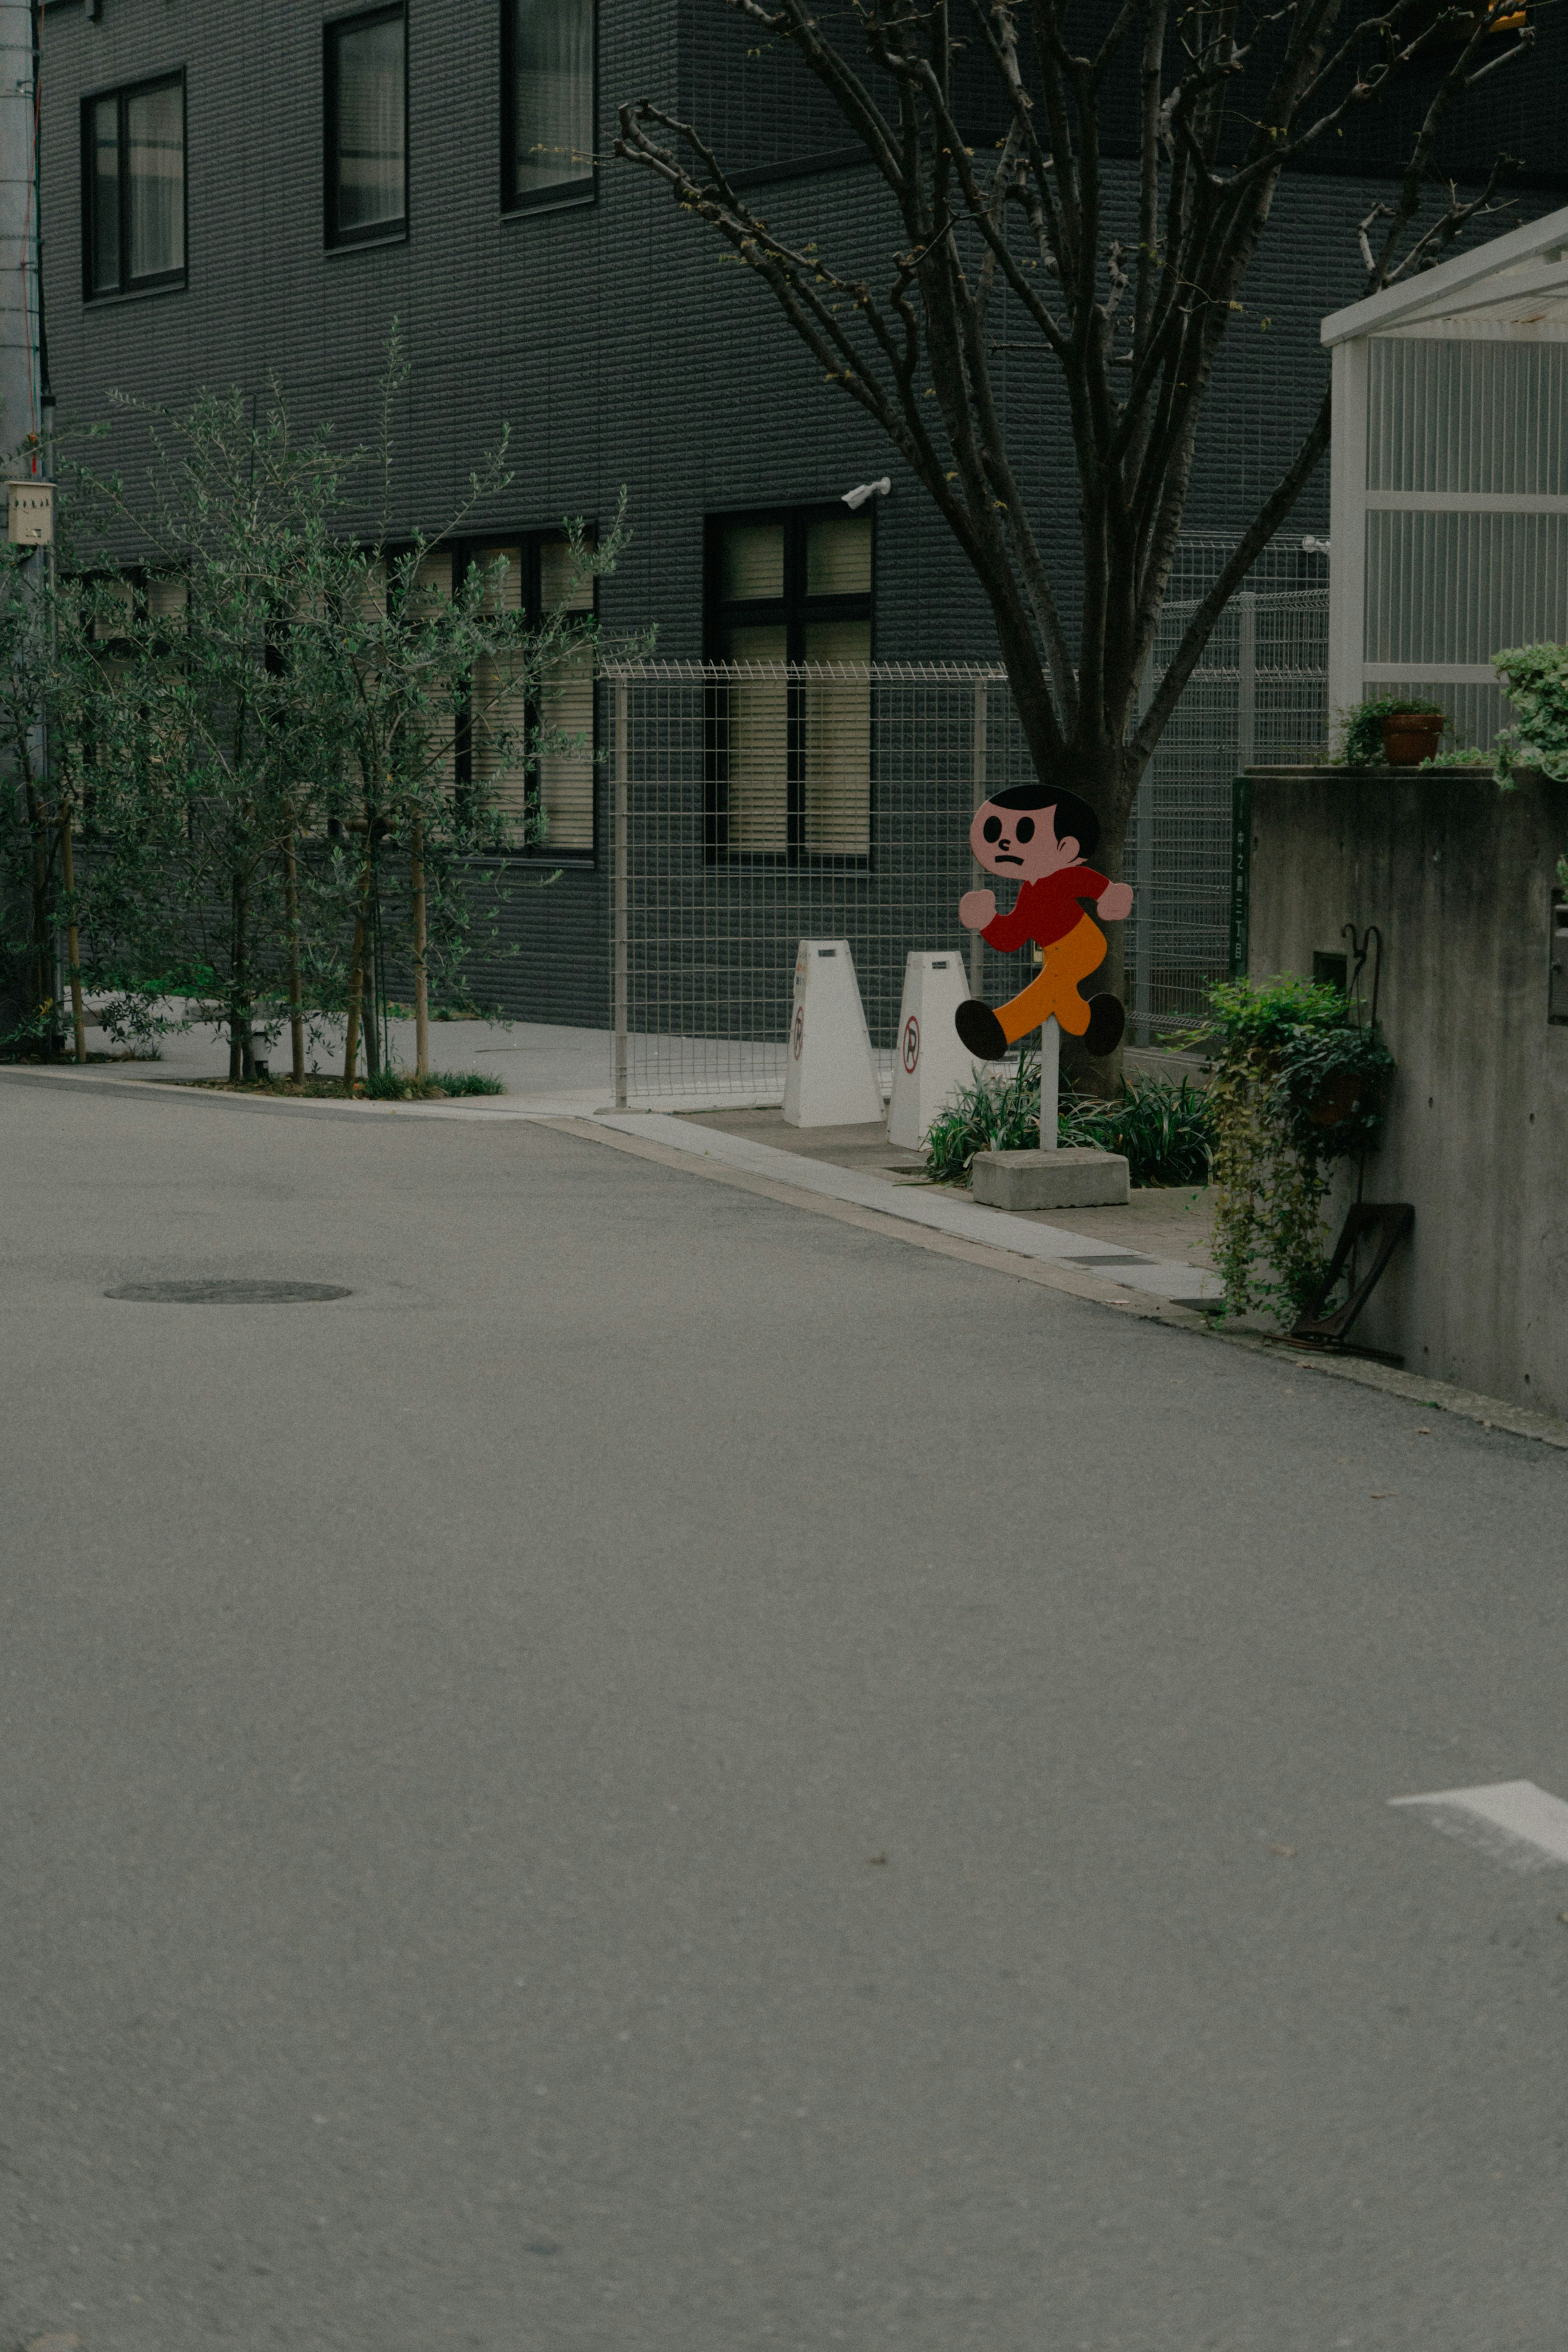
(1535, 678)
(402, 1086)
(1165, 1130)
(1000, 1112)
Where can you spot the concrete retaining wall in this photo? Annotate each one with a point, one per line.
(1460, 878)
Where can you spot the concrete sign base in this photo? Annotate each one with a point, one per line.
(829, 1074)
(1071, 1177)
(930, 1063)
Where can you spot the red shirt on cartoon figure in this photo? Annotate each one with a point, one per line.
(1039, 837)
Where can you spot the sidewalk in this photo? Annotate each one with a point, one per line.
(870, 1182)
(546, 1068)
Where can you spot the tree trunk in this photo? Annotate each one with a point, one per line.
(242, 1057)
(372, 990)
(73, 934)
(296, 1002)
(421, 983)
(1113, 798)
(357, 976)
(43, 990)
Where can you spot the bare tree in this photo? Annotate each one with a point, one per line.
(1124, 275)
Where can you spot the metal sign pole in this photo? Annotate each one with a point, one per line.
(1049, 1082)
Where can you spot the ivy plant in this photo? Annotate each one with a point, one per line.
(1535, 678)
(1300, 1083)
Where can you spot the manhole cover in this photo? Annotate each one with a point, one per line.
(226, 1294)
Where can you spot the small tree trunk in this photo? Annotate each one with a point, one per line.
(357, 976)
(241, 1062)
(421, 983)
(73, 934)
(43, 991)
(296, 1000)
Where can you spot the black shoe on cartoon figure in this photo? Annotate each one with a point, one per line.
(980, 1031)
(1107, 1019)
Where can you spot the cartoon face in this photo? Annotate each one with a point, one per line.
(1020, 845)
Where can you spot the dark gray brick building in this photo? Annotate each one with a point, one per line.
(576, 305)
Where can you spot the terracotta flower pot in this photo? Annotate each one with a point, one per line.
(1411, 735)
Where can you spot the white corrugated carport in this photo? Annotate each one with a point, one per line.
(1449, 476)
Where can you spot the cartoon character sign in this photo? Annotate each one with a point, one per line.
(1039, 837)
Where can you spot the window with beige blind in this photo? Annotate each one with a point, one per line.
(546, 804)
(790, 758)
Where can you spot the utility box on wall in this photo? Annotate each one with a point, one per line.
(32, 513)
(1557, 963)
(1461, 881)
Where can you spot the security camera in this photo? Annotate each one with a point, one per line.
(857, 497)
(1310, 546)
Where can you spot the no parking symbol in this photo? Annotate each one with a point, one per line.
(910, 1044)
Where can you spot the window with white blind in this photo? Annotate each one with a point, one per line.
(133, 188)
(547, 101)
(366, 91)
(790, 755)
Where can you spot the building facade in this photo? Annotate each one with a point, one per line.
(258, 188)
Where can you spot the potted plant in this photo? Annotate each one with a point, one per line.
(1392, 730)
(1412, 732)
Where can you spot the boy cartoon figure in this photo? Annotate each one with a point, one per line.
(1039, 837)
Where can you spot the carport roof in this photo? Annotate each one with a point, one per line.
(1514, 288)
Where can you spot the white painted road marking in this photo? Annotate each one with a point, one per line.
(1514, 1821)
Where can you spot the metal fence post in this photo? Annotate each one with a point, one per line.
(623, 888)
(1246, 681)
(976, 944)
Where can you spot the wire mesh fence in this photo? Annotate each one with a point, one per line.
(755, 805)
(1259, 694)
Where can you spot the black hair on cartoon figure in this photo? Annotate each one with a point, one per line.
(1075, 820)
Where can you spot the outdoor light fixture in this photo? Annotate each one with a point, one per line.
(857, 497)
(1310, 546)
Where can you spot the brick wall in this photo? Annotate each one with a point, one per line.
(611, 337)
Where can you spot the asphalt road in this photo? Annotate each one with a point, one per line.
(671, 1775)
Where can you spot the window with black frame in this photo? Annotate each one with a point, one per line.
(547, 111)
(366, 93)
(133, 187)
(789, 760)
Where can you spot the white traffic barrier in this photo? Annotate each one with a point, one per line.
(930, 1061)
(830, 1076)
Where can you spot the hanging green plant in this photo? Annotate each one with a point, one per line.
(1299, 1082)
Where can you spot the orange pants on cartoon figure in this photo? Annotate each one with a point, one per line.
(1054, 988)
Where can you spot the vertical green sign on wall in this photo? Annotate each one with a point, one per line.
(1240, 872)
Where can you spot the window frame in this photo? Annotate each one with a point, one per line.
(583, 191)
(797, 610)
(531, 545)
(161, 281)
(387, 232)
